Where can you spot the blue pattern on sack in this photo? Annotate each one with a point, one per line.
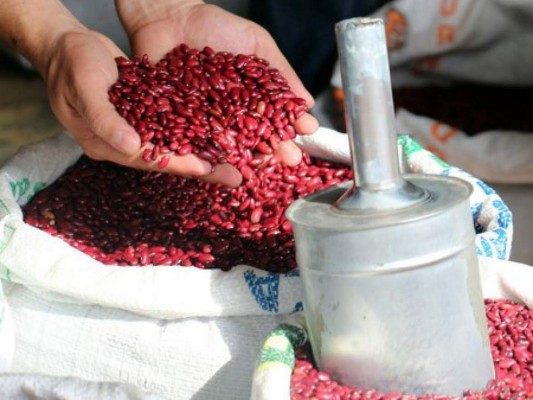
(299, 306)
(486, 188)
(499, 243)
(265, 289)
(485, 249)
(446, 172)
(504, 215)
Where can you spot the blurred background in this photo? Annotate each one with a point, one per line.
(479, 100)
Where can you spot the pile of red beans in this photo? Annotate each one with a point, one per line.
(217, 105)
(224, 108)
(123, 216)
(511, 339)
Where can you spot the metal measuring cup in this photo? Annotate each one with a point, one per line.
(390, 275)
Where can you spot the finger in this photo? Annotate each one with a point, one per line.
(268, 50)
(144, 44)
(306, 124)
(189, 165)
(225, 174)
(289, 153)
(101, 117)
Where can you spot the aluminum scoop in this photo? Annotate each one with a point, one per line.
(392, 289)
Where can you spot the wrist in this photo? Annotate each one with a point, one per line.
(33, 30)
(41, 55)
(134, 14)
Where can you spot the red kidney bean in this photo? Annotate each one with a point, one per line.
(205, 258)
(155, 153)
(164, 162)
(250, 123)
(146, 155)
(264, 148)
(256, 214)
(140, 126)
(185, 149)
(512, 382)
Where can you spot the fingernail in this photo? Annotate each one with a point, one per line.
(126, 141)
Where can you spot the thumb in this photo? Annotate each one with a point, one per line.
(102, 118)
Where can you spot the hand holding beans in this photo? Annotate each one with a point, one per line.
(229, 110)
(78, 66)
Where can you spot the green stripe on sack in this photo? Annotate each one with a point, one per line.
(19, 188)
(279, 346)
(38, 186)
(280, 356)
(4, 207)
(8, 233)
(411, 147)
(22, 187)
(294, 334)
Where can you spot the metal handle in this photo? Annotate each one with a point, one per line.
(369, 111)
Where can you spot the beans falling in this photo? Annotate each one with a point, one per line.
(511, 339)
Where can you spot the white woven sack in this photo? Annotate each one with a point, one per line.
(182, 359)
(7, 337)
(44, 387)
(510, 160)
(220, 318)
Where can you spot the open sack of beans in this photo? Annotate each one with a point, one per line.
(201, 328)
(461, 72)
(169, 283)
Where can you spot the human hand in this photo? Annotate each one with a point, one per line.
(155, 28)
(79, 69)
